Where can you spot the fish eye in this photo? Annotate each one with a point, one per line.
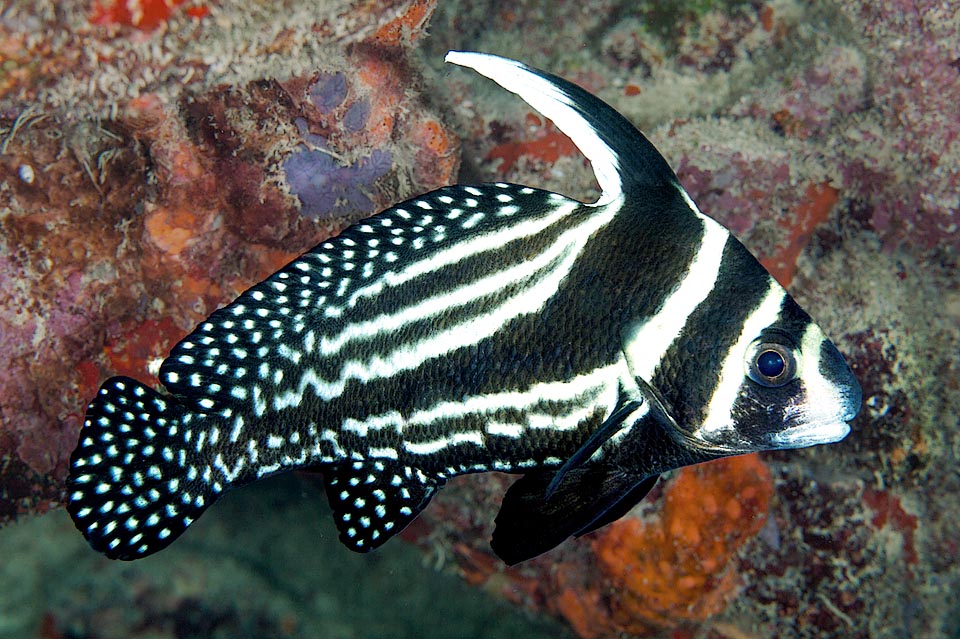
(771, 364)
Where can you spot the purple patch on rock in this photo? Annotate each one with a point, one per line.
(328, 190)
(311, 139)
(356, 116)
(329, 92)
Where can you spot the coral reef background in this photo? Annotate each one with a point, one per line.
(158, 157)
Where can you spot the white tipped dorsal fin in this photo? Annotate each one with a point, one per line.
(550, 99)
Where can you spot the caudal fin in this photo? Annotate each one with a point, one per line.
(136, 480)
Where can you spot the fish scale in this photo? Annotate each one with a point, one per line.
(267, 320)
(588, 347)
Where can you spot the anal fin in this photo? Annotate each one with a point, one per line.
(373, 500)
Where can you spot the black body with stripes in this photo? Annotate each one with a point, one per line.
(474, 328)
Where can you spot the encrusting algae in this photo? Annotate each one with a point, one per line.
(674, 566)
(681, 566)
(665, 570)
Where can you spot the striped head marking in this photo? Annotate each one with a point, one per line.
(763, 377)
(782, 385)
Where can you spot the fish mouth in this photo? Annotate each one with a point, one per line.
(811, 434)
(810, 428)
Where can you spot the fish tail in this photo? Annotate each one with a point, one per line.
(136, 480)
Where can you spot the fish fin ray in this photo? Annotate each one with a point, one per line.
(614, 424)
(593, 488)
(529, 524)
(128, 489)
(374, 500)
(622, 507)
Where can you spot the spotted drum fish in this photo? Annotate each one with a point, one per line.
(587, 347)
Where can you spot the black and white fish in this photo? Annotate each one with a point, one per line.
(588, 347)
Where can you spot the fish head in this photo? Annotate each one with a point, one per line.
(783, 385)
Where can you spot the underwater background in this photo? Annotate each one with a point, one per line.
(157, 157)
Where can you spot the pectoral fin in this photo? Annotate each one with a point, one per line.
(598, 484)
(622, 419)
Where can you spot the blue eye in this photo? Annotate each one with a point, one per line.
(771, 364)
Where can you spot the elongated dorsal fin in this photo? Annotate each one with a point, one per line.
(623, 159)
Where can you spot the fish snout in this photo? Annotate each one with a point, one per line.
(837, 373)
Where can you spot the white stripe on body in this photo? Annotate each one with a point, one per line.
(444, 301)
(581, 398)
(565, 250)
(457, 252)
(648, 341)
